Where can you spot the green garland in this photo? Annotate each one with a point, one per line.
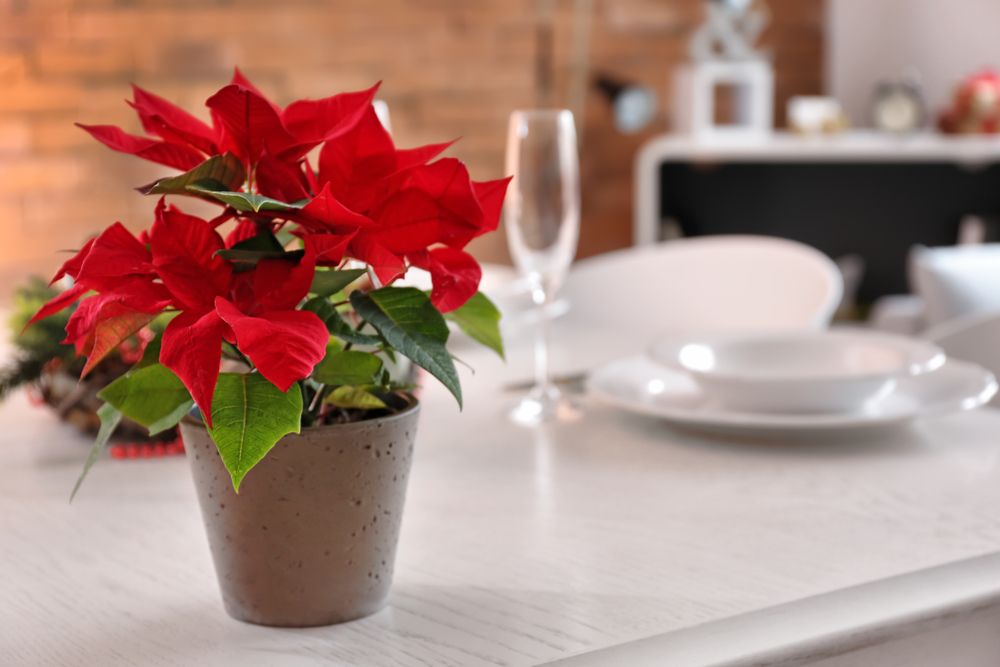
(38, 344)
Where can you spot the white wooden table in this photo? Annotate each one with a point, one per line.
(613, 539)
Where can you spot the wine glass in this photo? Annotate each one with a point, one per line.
(543, 224)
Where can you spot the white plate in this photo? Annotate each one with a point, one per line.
(640, 385)
(802, 372)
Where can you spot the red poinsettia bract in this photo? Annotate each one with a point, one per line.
(367, 201)
(389, 208)
(179, 271)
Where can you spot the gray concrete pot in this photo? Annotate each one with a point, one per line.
(311, 537)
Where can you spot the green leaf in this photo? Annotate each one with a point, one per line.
(244, 201)
(222, 172)
(352, 336)
(387, 350)
(249, 415)
(232, 353)
(480, 320)
(326, 283)
(335, 324)
(110, 418)
(285, 237)
(393, 386)
(349, 367)
(325, 311)
(410, 323)
(332, 347)
(388, 387)
(411, 310)
(236, 255)
(150, 355)
(353, 397)
(264, 240)
(322, 307)
(263, 245)
(152, 396)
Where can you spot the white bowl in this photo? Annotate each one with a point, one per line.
(800, 372)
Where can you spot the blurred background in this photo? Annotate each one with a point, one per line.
(450, 68)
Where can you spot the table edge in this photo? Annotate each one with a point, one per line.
(821, 626)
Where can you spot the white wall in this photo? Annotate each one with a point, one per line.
(870, 40)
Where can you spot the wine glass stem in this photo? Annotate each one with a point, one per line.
(543, 379)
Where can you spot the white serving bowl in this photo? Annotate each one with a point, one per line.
(799, 372)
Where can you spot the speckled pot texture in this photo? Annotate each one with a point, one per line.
(311, 537)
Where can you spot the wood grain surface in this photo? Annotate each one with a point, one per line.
(519, 546)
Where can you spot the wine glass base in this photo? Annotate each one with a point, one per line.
(544, 405)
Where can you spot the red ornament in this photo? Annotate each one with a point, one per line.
(976, 106)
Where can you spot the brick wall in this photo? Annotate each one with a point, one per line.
(450, 68)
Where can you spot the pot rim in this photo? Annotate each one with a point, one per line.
(413, 407)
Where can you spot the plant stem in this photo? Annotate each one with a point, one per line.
(315, 409)
(315, 399)
(235, 354)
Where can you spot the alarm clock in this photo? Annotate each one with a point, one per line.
(899, 107)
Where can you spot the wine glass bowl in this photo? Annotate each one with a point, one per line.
(543, 212)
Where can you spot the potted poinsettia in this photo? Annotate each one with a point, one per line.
(279, 336)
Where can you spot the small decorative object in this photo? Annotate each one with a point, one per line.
(632, 105)
(975, 108)
(727, 91)
(730, 30)
(816, 115)
(899, 105)
(277, 351)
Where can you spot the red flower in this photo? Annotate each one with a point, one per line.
(254, 310)
(388, 204)
(368, 201)
(455, 275)
(398, 207)
(180, 271)
(243, 121)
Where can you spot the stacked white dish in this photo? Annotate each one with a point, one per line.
(808, 381)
